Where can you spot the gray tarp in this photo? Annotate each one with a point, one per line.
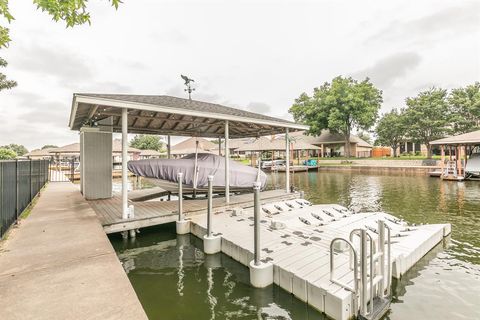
(241, 176)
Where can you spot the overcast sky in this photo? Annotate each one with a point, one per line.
(257, 55)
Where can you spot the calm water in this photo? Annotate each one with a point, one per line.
(174, 280)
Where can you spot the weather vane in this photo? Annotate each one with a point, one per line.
(188, 84)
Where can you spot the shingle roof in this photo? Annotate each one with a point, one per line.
(327, 137)
(190, 143)
(466, 138)
(159, 114)
(75, 148)
(265, 144)
(39, 153)
(175, 102)
(149, 153)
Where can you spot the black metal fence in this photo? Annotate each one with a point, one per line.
(20, 181)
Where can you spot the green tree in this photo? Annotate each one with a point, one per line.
(391, 130)
(7, 154)
(428, 117)
(147, 142)
(73, 12)
(365, 136)
(4, 82)
(19, 149)
(340, 106)
(465, 107)
(49, 146)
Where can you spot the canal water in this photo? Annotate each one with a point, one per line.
(175, 280)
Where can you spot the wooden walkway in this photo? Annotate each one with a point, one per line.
(151, 213)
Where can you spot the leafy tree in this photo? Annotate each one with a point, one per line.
(340, 106)
(465, 106)
(391, 130)
(428, 117)
(147, 142)
(365, 136)
(73, 12)
(19, 149)
(49, 146)
(4, 82)
(7, 154)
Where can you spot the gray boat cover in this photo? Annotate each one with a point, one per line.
(241, 176)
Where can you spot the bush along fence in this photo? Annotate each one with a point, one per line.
(20, 182)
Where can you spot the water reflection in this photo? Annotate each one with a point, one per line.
(175, 280)
(417, 199)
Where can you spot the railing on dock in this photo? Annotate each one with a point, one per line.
(64, 170)
(371, 276)
(20, 182)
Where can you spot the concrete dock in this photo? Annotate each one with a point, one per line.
(59, 264)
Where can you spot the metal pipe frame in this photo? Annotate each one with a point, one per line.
(169, 150)
(389, 260)
(227, 164)
(381, 248)
(368, 237)
(256, 223)
(125, 213)
(287, 164)
(209, 206)
(180, 196)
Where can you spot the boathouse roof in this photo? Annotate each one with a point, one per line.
(466, 138)
(159, 114)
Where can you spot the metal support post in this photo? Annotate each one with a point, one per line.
(209, 206)
(180, 196)
(256, 215)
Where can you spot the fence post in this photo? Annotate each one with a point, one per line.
(31, 182)
(17, 209)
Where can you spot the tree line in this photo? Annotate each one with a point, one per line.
(345, 105)
(431, 115)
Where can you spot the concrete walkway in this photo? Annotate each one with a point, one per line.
(59, 264)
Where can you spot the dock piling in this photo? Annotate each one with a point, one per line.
(211, 243)
(261, 273)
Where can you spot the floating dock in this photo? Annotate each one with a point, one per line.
(300, 251)
(301, 242)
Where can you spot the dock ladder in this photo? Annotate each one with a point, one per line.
(372, 271)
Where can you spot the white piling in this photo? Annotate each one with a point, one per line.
(211, 243)
(261, 273)
(182, 225)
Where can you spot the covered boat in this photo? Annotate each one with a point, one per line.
(196, 168)
(472, 169)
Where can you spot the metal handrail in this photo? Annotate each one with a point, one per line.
(363, 257)
(389, 269)
(354, 290)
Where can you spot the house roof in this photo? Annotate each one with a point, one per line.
(117, 147)
(74, 148)
(149, 153)
(466, 138)
(190, 143)
(40, 153)
(265, 144)
(327, 137)
(153, 114)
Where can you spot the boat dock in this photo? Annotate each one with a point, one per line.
(300, 251)
(151, 213)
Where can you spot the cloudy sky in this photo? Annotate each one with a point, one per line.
(258, 55)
